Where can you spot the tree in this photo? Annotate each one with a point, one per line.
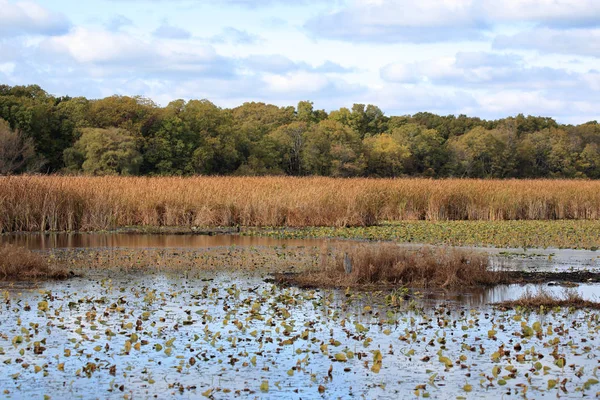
(332, 149)
(483, 153)
(168, 151)
(110, 151)
(589, 161)
(563, 154)
(289, 143)
(17, 153)
(385, 156)
(32, 112)
(304, 112)
(428, 154)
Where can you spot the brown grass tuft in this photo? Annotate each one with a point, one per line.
(18, 263)
(389, 264)
(542, 298)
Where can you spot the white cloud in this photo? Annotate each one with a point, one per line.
(117, 22)
(7, 68)
(560, 13)
(167, 31)
(299, 82)
(118, 51)
(236, 36)
(444, 20)
(585, 42)
(481, 70)
(29, 18)
(97, 46)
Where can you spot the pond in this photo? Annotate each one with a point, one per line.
(228, 333)
(224, 333)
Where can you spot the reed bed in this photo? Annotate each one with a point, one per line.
(389, 264)
(65, 203)
(18, 263)
(543, 300)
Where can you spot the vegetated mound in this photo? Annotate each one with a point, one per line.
(389, 264)
(543, 300)
(18, 263)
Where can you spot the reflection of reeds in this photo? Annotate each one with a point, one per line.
(34, 203)
(544, 299)
(388, 263)
(17, 263)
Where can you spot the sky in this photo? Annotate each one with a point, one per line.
(484, 58)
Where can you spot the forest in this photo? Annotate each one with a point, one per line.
(121, 135)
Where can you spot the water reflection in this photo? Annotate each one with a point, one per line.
(128, 240)
(482, 296)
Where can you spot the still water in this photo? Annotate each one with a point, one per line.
(231, 334)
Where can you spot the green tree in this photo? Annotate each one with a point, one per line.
(332, 149)
(33, 112)
(483, 153)
(589, 161)
(385, 156)
(428, 154)
(109, 151)
(168, 151)
(289, 144)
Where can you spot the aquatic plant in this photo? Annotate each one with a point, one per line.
(582, 234)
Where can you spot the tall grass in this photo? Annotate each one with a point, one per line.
(18, 263)
(387, 263)
(36, 203)
(545, 300)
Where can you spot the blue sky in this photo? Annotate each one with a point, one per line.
(483, 58)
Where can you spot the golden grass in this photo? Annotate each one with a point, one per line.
(389, 264)
(542, 298)
(18, 263)
(59, 203)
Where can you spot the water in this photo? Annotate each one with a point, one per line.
(136, 241)
(227, 333)
(541, 260)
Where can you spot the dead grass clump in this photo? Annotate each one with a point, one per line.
(390, 264)
(543, 299)
(19, 263)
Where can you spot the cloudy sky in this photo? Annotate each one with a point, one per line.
(485, 58)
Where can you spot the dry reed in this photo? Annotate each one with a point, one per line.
(389, 264)
(62, 203)
(544, 299)
(18, 263)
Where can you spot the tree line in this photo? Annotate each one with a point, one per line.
(121, 135)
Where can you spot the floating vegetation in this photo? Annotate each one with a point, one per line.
(389, 264)
(151, 260)
(226, 333)
(17, 263)
(508, 234)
